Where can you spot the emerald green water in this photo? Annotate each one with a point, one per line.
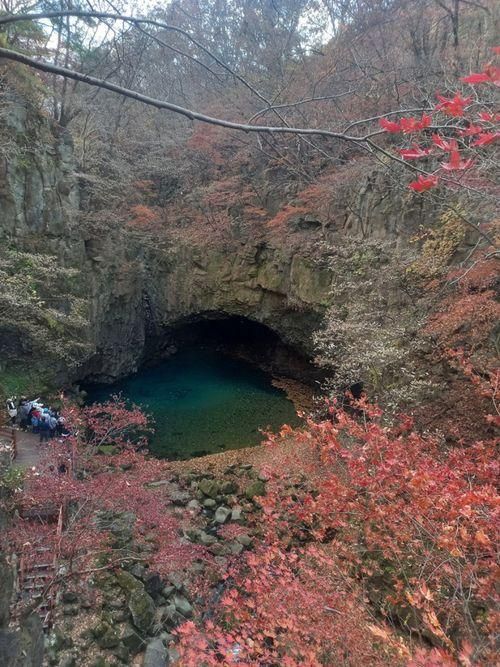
(203, 402)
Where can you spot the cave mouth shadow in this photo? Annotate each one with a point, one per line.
(235, 336)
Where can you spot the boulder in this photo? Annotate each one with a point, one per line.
(156, 654)
(256, 488)
(218, 549)
(142, 608)
(235, 548)
(177, 580)
(222, 514)
(122, 653)
(172, 616)
(109, 639)
(167, 591)
(180, 498)
(119, 616)
(23, 646)
(130, 638)
(206, 539)
(128, 582)
(209, 487)
(236, 514)
(138, 570)
(183, 606)
(69, 597)
(229, 487)
(153, 585)
(244, 540)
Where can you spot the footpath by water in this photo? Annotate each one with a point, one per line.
(203, 402)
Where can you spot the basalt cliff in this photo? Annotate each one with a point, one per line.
(81, 301)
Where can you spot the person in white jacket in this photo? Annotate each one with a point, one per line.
(12, 410)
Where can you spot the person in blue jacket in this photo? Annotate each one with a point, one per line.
(44, 429)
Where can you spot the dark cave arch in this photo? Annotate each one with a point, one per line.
(233, 334)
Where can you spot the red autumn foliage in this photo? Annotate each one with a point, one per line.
(455, 163)
(423, 183)
(386, 509)
(415, 153)
(72, 474)
(406, 125)
(389, 508)
(490, 74)
(453, 106)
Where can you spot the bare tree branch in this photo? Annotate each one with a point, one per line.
(298, 103)
(170, 106)
(5, 20)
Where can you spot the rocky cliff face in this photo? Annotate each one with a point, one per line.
(129, 291)
(43, 287)
(109, 297)
(155, 289)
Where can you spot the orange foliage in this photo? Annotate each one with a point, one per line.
(144, 217)
(286, 214)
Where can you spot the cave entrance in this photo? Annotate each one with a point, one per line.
(213, 383)
(238, 337)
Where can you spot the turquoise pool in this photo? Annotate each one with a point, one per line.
(203, 402)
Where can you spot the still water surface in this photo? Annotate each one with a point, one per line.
(203, 402)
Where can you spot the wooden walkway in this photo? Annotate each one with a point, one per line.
(24, 447)
(28, 449)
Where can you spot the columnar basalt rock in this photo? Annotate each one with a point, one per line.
(163, 288)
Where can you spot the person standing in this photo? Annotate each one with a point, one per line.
(52, 425)
(35, 422)
(44, 429)
(24, 409)
(12, 410)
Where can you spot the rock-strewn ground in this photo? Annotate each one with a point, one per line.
(129, 616)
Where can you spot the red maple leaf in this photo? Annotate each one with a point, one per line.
(479, 77)
(445, 145)
(488, 117)
(486, 138)
(423, 183)
(415, 153)
(455, 163)
(406, 125)
(389, 125)
(453, 106)
(414, 125)
(470, 131)
(490, 74)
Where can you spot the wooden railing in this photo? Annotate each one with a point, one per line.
(38, 572)
(10, 434)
